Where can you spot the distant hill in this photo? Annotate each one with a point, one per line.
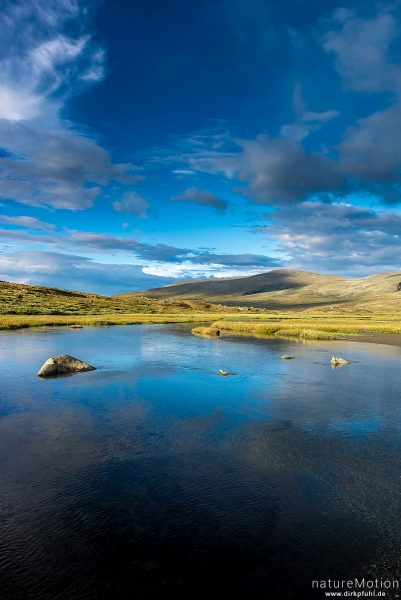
(20, 299)
(289, 289)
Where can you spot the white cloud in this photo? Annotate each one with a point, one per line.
(45, 61)
(338, 238)
(75, 273)
(132, 204)
(15, 106)
(319, 117)
(160, 255)
(45, 160)
(275, 170)
(292, 167)
(362, 48)
(188, 270)
(29, 222)
(201, 197)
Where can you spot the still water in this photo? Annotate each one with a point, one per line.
(154, 477)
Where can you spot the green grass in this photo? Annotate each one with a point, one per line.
(23, 321)
(210, 331)
(19, 299)
(293, 290)
(304, 327)
(33, 306)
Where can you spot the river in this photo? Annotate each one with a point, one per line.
(155, 477)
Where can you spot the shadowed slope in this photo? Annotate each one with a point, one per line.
(280, 289)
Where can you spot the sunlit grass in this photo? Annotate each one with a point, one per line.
(23, 321)
(30, 306)
(313, 327)
(19, 299)
(296, 325)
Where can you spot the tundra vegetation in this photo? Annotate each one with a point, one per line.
(304, 325)
(34, 306)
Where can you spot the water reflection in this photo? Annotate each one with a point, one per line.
(154, 475)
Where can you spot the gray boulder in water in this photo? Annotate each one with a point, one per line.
(337, 361)
(63, 364)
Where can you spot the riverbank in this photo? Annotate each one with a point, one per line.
(380, 329)
(11, 322)
(388, 339)
(374, 329)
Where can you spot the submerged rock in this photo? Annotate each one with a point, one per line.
(287, 357)
(337, 361)
(63, 364)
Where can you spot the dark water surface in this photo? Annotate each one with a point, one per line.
(154, 477)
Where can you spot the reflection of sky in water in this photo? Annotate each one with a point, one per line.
(357, 428)
(155, 458)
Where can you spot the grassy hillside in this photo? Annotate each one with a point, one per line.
(34, 306)
(19, 299)
(331, 306)
(291, 290)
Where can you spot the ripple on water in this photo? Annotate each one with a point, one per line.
(153, 476)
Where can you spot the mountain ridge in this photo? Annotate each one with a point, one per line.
(288, 289)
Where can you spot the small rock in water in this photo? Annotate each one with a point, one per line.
(75, 326)
(287, 357)
(223, 373)
(63, 364)
(337, 361)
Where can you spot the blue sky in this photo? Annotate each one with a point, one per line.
(148, 142)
